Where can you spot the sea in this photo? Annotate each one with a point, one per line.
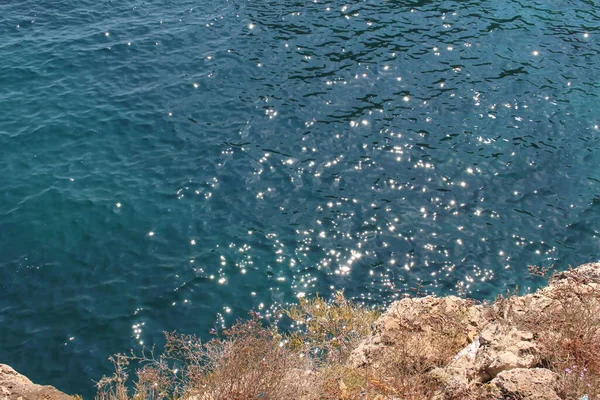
(172, 165)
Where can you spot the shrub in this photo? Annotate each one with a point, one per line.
(329, 330)
(247, 361)
(256, 360)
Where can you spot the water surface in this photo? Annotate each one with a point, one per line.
(169, 165)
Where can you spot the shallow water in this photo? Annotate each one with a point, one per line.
(165, 166)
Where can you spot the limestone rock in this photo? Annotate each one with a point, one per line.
(499, 353)
(14, 386)
(586, 273)
(578, 286)
(413, 322)
(527, 384)
(505, 348)
(498, 348)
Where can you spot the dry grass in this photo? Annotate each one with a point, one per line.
(250, 360)
(569, 336)
(244, 362)
(567, 332)
(254, 360)
(423, 341)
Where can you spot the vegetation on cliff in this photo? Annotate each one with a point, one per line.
(544, 345)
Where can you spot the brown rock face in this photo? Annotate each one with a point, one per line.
(504, 348)
(527, 384)
(14, 386)
(501, 343)
(498, 348)
(416, 323)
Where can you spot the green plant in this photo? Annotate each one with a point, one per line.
(330, 330)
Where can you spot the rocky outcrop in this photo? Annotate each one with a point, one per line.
(526, 384)
(14, 386)
(452, 348)
(415, 323)
(501, 357)
(499, 347)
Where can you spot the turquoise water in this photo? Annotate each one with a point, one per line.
(171, 165)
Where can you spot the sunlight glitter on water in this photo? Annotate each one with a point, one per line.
(242, 156)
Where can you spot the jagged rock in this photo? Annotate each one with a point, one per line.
(504, 348)
(500, 351)
(14, 386)
(527, 384)
(518, 307)
(413, 322)
(498, 348)
(584, 279)
(586, 273)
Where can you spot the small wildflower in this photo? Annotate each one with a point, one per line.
(568, 370)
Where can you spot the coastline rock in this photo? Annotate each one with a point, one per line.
(501, 352)
(414, 323)
(14, 386)
(527, 384)
(576, 283)
(497, 349)
(457, 347)
(585, 273)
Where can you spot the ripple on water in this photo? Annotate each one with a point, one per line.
(169, 167)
